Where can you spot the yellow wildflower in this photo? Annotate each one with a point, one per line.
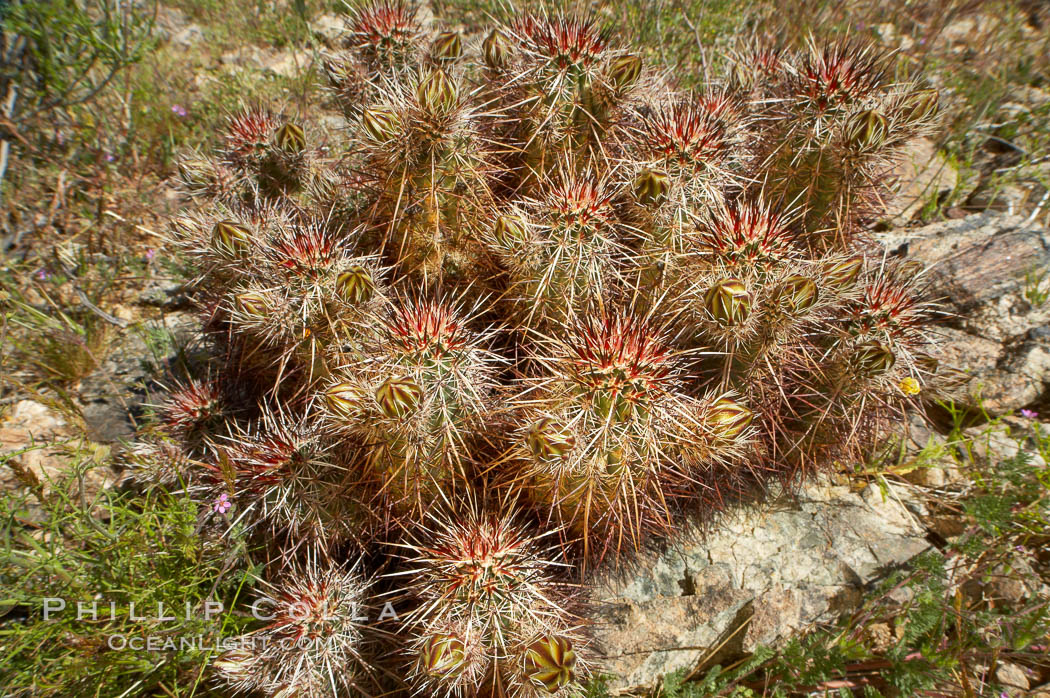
(909, 386)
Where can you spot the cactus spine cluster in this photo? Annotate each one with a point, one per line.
(542, 308)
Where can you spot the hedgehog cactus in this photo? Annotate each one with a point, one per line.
(488, 612)
(562, 251)
(535, 268)
(312, 644)
(431, 173)
(610, 436)
(415, 398)
(834, 124)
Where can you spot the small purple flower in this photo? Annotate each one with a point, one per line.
(922, 41)
(43, 275)
(1029, 414)
(110, 157)
(178, 110)
(222, 504)
(150, 254)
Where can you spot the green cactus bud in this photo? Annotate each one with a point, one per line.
(447, 47)
(727, 419)
(548, 441)
(290, 138)
(397, 397)
(650, 187)
(381, 124)
(843, 275)
(355, 285)
(197, 172)
(867, 130)
(234, 665)
(345, 399)
(496, 49)
(920, 105)
(184, 226)
(509, 231)
(442, 655)
(873, 358)
(436, 92)
(550, 663)
(799, 293)
(728, 302)
(624, 71)
(253, 304)
(231, 235)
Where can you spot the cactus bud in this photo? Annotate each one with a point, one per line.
(550, 663)
(197, 173)
(728, 302)
(355, 285)
(548, 441)
(842, 275)
(624, 71)
(231, 235)
(496, 49)
(866, 130)
(650, 187)
(873, 358)
(184, 226)
(397, 397)
(436, 92)
(447, 47)
(442, 655)
(235, 665)
(799, 293)
(920, 105)
(253, 303)
(345, 399)
(381, 124)
(728, 419)
(290, 138)
(509, 231)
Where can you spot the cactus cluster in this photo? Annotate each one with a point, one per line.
(536, 308)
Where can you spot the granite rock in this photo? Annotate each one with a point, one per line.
(982, 267)
(766, 572)
(31, 439)
(112, 396)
